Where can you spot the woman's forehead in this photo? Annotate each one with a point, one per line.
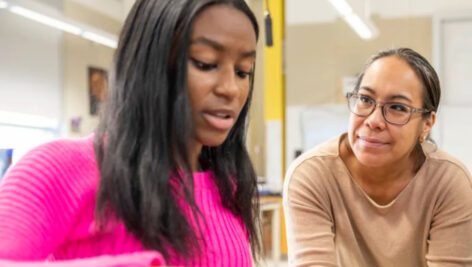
(392, 76)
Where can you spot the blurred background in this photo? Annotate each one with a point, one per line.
(55, 58)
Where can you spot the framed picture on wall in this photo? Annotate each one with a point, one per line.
(98, 84)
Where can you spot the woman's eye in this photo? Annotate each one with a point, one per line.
(243, 74)
(365, 99)
(398, 108)
(203, 66)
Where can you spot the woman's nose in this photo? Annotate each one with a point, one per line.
(376, 119)
(227, 84)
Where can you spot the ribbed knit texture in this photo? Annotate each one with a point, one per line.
(47, 203)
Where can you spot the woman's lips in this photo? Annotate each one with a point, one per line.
(219, 120)
(371, 142)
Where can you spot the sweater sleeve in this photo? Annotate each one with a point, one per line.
(137, 259)
(39, 202)
(309, 221)
(450, 236)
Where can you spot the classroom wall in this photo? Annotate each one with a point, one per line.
(256, 134)
(79, 54)
(30, 66)
(320, 55)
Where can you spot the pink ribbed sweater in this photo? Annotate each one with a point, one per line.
(47, 203)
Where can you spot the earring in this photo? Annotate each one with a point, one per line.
(421, 139)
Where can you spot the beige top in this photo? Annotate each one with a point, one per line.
(332, 222)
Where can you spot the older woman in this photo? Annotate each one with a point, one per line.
(382, 195)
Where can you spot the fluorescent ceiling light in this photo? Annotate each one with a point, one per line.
(46, 20)
(3, 4)
(363, 27)
(100, 39)
(341, 6)
(64, 24)
(359, 26)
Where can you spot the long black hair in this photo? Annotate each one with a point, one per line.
(142, 140)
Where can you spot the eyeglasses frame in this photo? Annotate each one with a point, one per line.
(382, 104)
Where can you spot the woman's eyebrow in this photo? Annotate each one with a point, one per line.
(217, 46)
(209, 42)
(392, 97)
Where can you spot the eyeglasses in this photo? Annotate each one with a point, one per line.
(394, 113)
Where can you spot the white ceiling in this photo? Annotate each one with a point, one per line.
(317, 11)
(116, 9)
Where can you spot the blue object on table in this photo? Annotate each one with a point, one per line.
(270, 193)
(5, 160)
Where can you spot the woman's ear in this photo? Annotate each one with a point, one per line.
(428, 125)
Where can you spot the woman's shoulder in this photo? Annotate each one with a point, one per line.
(441, 162)
(448, 181)
(313, 169)
(61, 154)
(56, 164)
(318, 156)
(68, 147)
(43, 194)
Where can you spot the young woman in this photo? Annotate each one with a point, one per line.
(381, 195)
(167, 170)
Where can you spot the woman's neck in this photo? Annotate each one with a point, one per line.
(381, 183)
(194, 155)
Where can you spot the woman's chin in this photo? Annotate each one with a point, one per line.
(372, 161)
(214, 142)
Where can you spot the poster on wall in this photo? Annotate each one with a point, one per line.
(98, 84)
